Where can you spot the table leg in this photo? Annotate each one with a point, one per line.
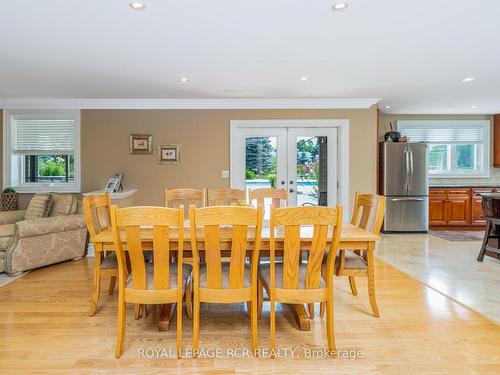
(371, 279)
(301, 317)
(166, 315)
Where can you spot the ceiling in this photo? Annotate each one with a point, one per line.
(412, 54)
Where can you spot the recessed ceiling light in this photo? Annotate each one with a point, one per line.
(304, 78)
(387, 107)
(339, 6)
(184, 79)
(474, 106)
(468, 79)
(137, 6)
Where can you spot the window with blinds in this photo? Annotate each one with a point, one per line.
(43, 148)
(457, 149)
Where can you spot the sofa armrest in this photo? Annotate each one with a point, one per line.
(11, 217)
(39, 227)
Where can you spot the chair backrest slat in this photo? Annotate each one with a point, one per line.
(238, 252)
(213, 256)
(136, 256)
(315, 259)
(291, 257)
(161, 257)
(133, 223)
(225, 223)
(325, 221)
(224, 197)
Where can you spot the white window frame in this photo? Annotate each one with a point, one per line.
(486, 154)
(39, 187)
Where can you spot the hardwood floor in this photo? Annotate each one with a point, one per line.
(45, 328)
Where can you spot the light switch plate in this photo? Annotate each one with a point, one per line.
(225, 174)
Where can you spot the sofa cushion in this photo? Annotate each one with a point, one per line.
(39, 206)
(62, 204)
(6, 236)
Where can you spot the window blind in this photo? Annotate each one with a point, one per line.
(440, 132)
(43, 135)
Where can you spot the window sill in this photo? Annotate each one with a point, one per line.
(47, 188)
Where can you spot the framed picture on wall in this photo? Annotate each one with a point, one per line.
(169, 154)
(141, 144)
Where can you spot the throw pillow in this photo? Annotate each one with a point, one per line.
(62, 204)
(39, 206)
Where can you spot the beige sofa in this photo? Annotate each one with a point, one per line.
(38, 242)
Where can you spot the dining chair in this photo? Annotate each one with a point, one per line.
(159, 283)
(368, 214)
(225, 197)
(293, 281)
(96, 211)
(215, 281)
(174, 198)
(185, 196)
(277, 196)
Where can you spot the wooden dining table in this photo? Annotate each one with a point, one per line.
(352, 238)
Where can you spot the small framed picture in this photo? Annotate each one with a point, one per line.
(112, 184)
(141, 144)
(169, 154)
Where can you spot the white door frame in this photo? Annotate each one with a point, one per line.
(342, 126)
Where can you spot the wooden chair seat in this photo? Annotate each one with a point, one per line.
(186, 273)
(352, 261)
(109, 262)
(265, 276)
(225, 272)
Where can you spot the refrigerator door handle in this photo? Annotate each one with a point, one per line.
(411, 169)
(406, 199)
(407, 168)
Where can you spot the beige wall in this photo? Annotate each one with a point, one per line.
(384, 127)
(204, 135)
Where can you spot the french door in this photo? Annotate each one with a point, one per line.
(301, 160)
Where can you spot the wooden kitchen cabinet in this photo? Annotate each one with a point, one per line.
(459, 207)
(437, 207)
(456, 208)
(477, 218)
(496, 141)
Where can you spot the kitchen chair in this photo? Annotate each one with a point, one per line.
(216, 281)
(187, 197)
(276, 196)
(368, 214)
(96, 211)
(260, 195)
(225, 197)
(176, 197)
(293, 281)
(159, 283)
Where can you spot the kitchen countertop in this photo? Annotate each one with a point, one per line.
(497, 185)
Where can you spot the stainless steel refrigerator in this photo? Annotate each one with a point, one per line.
(404, 182)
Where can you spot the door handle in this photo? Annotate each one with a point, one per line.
(411, 168)
(291, 190)
(406, 199)
(282, 182)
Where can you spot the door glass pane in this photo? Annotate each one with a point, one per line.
(311, 183)
(260, 165)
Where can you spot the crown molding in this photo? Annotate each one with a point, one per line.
(333, 103)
